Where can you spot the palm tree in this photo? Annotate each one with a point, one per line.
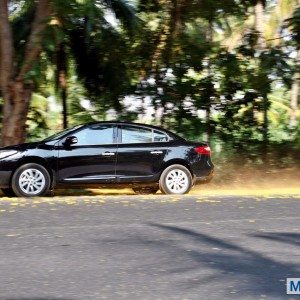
(93, 44)
(271, 34)
(294, 23)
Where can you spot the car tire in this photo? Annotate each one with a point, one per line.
(31, 180)
(8, 192)
(145, 190)
(175, 180)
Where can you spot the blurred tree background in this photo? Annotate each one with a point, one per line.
(225, 71)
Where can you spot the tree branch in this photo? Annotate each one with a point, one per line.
(6, 47)
(279, 38)
(34, 45)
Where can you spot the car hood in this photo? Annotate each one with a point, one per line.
(21, 147)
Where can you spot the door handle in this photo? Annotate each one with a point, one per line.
(156, 152)
(108, 153)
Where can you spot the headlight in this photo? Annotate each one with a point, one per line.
(6, 153)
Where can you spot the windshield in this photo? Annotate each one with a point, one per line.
(60, 134)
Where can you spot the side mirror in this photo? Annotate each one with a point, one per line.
(70, 140)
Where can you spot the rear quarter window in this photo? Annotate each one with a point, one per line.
(159, 136)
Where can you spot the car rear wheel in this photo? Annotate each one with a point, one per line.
(31, 180)
(145, 190)
(175, 179)
(8, 192)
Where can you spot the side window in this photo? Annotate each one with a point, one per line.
(159, 136)
(132, 134)
(95, 135)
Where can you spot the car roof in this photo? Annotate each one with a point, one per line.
(170, 133)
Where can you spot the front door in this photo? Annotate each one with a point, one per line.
(92, 159)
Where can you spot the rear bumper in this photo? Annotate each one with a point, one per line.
(5, 179)
(204, 179)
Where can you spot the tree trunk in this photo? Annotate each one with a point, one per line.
(295, 95)
(171, 27)
(15, 92)
(261, 46)
(210, 39)
(61, 81)
(259, 25)
(65, 107)
(6, 68)
(294, 101)
(15, 111)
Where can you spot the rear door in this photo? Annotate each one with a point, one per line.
(141, 153)
(92, 159)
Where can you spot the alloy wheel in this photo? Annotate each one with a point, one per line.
(32, 181)
(177, 181)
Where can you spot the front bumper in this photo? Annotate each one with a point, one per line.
(5, 178)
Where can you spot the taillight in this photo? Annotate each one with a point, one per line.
(204, 150)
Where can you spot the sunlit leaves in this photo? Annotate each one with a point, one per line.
(294, 23)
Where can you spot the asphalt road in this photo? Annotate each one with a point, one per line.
(158, 247)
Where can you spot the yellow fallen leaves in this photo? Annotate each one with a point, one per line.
(13, 204)
(254, 191)
(200, 200)
(51, 202)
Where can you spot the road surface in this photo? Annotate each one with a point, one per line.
(149, 247)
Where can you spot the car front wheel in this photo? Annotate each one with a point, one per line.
(175, 179)
(31, 180)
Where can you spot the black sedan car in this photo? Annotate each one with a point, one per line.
(146, 158)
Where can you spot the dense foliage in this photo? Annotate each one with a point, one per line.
(219, 70)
